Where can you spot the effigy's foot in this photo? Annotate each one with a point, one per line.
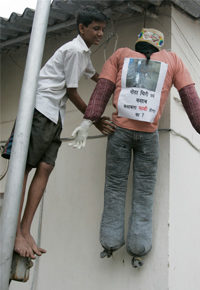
(105, 253)
(137, 262)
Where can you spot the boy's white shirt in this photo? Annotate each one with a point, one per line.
(63, 70)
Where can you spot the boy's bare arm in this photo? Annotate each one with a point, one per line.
(74, 97)
(103, 125)
(95, 77)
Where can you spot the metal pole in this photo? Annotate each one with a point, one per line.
(13, 191)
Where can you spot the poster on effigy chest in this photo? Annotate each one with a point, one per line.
(141, 86)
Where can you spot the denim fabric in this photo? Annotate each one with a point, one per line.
(145, 147)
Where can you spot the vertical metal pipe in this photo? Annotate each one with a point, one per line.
(13, 191)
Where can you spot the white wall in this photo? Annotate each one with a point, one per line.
(184, 216)
(73, 200)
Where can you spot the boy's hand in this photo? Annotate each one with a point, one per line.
(105, 126)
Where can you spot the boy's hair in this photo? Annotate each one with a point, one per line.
(88, 14)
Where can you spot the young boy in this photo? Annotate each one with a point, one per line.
(139, 103)
(58, 81)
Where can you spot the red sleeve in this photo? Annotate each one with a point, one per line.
(99, 99)
(191, 103)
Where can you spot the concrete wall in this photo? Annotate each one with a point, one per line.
(184, 199)
(73, 201)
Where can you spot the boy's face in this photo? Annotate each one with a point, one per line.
(93, 33)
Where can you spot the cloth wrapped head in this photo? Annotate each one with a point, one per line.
(152, 36)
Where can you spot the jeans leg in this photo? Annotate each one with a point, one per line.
(118, 158)
(146, 153)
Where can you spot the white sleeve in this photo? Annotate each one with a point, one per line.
(72, 68)
(90, 71)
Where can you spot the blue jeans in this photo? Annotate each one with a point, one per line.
(145, 147)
